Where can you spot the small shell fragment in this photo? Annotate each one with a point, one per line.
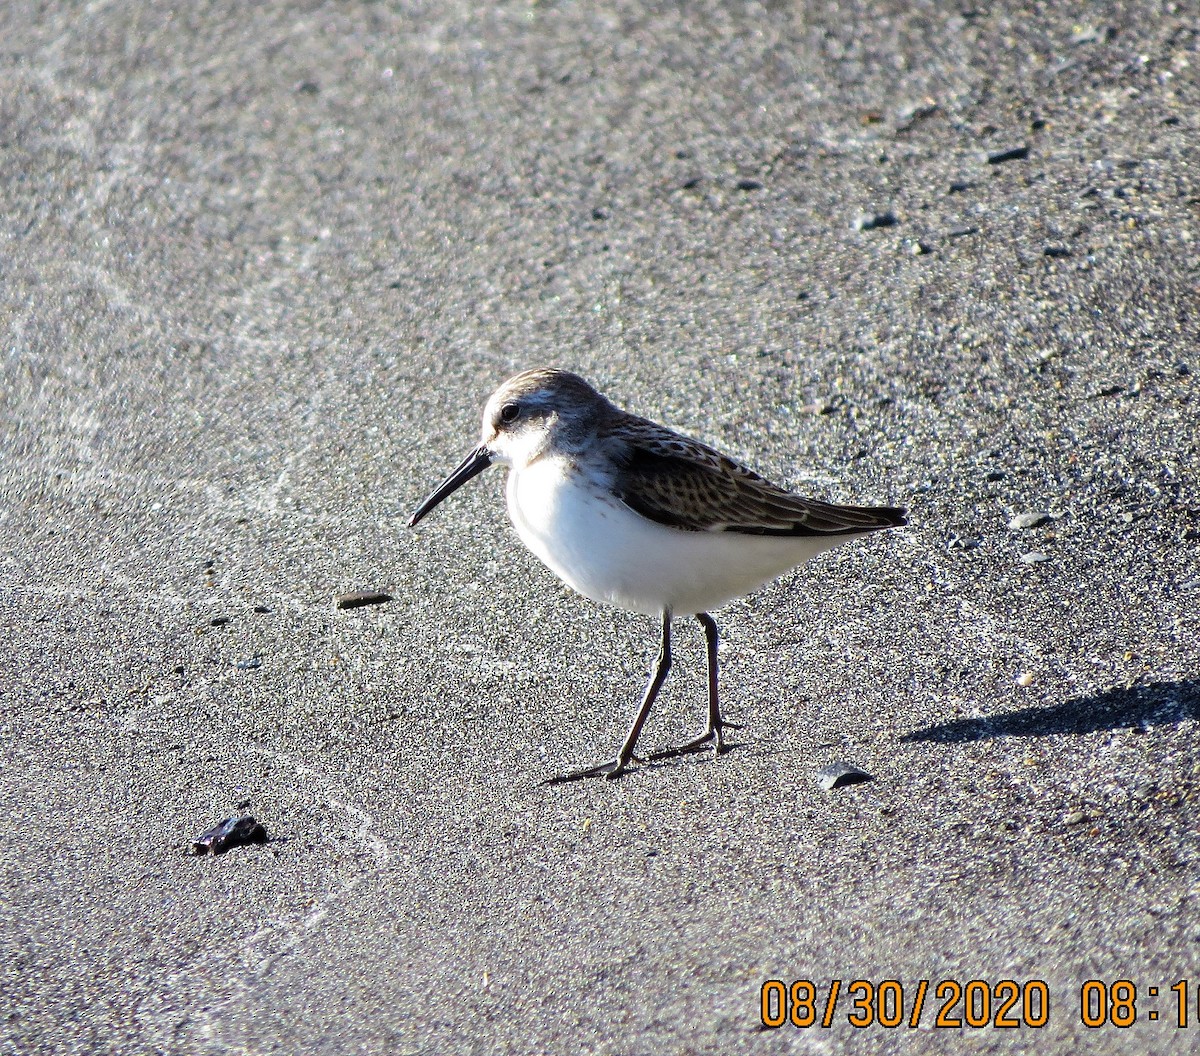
(839, 774)
(1023, 521)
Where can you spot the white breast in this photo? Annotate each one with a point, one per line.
(609, 553)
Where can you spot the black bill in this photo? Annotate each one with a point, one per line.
(474, 464)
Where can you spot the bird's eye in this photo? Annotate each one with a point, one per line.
(510, 412)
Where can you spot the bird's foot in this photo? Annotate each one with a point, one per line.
(610, 771)
(712, 737)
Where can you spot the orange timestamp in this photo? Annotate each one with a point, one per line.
(949, 1003)
(1006, 1004)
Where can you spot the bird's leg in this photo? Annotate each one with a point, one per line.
(714, 731)
(614, 768)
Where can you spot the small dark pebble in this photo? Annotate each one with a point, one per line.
(871, 221)
(599, 214)
(1028, 520)
(995, 474)
(692, 184)
(232, 832)
(999, 157)
(961, 232)
(358, 598)
(960, 542)
(250, 663)
(179, 669)
(749, 185)
(1056, 251)
(958, 186)
(839, 775)
(262, 608)
(308, 87)
(219, 621)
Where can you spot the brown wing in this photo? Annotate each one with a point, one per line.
(682, 483)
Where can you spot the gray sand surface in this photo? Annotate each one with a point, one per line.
(260, 266)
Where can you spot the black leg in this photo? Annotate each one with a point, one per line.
(616, 767)
(714, 708)
(714, 730)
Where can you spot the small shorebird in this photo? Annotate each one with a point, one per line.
(632, 514)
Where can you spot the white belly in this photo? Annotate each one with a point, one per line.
(614, 556)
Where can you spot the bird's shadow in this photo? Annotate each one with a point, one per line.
(1152, 704)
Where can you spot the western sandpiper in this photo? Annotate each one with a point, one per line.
(632, 514)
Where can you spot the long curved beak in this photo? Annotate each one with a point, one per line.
(474, 464)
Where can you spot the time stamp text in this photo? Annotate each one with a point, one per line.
(954, 1005)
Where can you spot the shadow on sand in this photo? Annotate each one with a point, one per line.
(1153, 704)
